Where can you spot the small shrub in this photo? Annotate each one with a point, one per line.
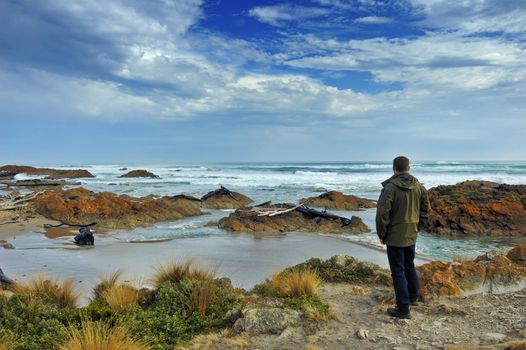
(295, 282)
(121, 296)
(99, 336)
(106, 282)
(49, 289)
(175, 271)
(311, 306)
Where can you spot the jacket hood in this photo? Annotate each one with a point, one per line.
(402, 181)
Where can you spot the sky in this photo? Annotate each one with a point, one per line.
(109, 81)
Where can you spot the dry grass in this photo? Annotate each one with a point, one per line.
(121, 296)
(176, 271)
(201, 296)
(296, 283)
(61, 293)
(214, 341)
(107, 282)
(98, 336)
(6, 343)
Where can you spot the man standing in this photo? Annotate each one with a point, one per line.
(402, 211)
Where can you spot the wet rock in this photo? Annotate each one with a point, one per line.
(140, 173)
(51, 173)
(478, 208)
(518, 255)
(223, 198)
(298, 220)
(39, 184)
(81, 206)
(338, 201)
(4, 280)
(7, 245)
(85, 237)
(266, 320)
(487, 273)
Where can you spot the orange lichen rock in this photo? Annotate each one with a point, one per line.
(223, 198)
(518, 255)
(493, 272)
(51, 173)
(478, 208)
(338, 201)
(109, 210)
(299, 220)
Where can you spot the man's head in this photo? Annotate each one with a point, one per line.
(401, 165)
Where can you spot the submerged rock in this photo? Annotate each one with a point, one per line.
(81, 206)
(339, 201)
(478, 208)
(85, 237)
(223, 198)
(293, 218)
(51, 173)
(493, 273)
(140, 173)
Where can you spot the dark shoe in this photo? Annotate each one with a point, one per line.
(416, 301)
(398, 313)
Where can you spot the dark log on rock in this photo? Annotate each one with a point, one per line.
(69, 224)
(85, 237)
(4, 279)
(313, 213)
(185, 196)
(222, 191)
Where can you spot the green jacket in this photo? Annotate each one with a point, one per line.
(403, 210)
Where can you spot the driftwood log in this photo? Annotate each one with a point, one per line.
(69, 224)
(19, 202)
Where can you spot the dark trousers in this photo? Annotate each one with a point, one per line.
(405, 279)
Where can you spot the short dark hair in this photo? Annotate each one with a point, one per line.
(401, 164)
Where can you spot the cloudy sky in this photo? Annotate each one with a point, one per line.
(229, 80)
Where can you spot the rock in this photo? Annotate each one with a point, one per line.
(7, 246)
(223, 198)
(81, 206)
(338, 201)
(362, 334)
(85, 237)
(39, 183)
(51, 173)
(320, 189)
(478, 208)
(7, 174)
(487, 273)
(140, 173)
(298, 220)
(266, 320)
(123, 169)
(518, 255)
(4, 280)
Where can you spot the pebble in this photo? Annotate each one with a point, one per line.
(494, 336)
(362, 334)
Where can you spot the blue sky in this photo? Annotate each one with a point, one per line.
(313, 80)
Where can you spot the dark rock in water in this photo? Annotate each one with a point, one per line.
(478, 208)
(140, 173)
(4, 279)
(85, 237)
(223, 198)
(7, 174)
(123, 169)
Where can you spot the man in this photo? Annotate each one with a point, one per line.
(402, 211)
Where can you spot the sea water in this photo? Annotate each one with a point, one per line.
(289, 182)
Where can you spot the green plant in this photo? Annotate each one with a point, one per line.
(311, 306)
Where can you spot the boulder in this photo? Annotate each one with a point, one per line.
(51, 173)
(38, 183)
(492, 273)
(478, 208)
(338, 201)
(4, 280)
(293, 218)
(81, 206)
(266, 320)
(140, 173)
(85, 237)
(223, 198)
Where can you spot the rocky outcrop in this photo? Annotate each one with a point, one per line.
(495, 272)
(290, 218)
(81, 206)
(140, 173)
(338, 201)
(478, 208)
(223, 198)
(51, 173)
(38, 183)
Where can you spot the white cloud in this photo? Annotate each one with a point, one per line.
(278, 15)
(373, 20)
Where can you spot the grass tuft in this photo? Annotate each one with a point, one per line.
(61, 293)
(175, 271)
(296, 283)
(212, 341)
(201, 293)
(121, 296)
(107, 282)
(6, 343)
(99, 336)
